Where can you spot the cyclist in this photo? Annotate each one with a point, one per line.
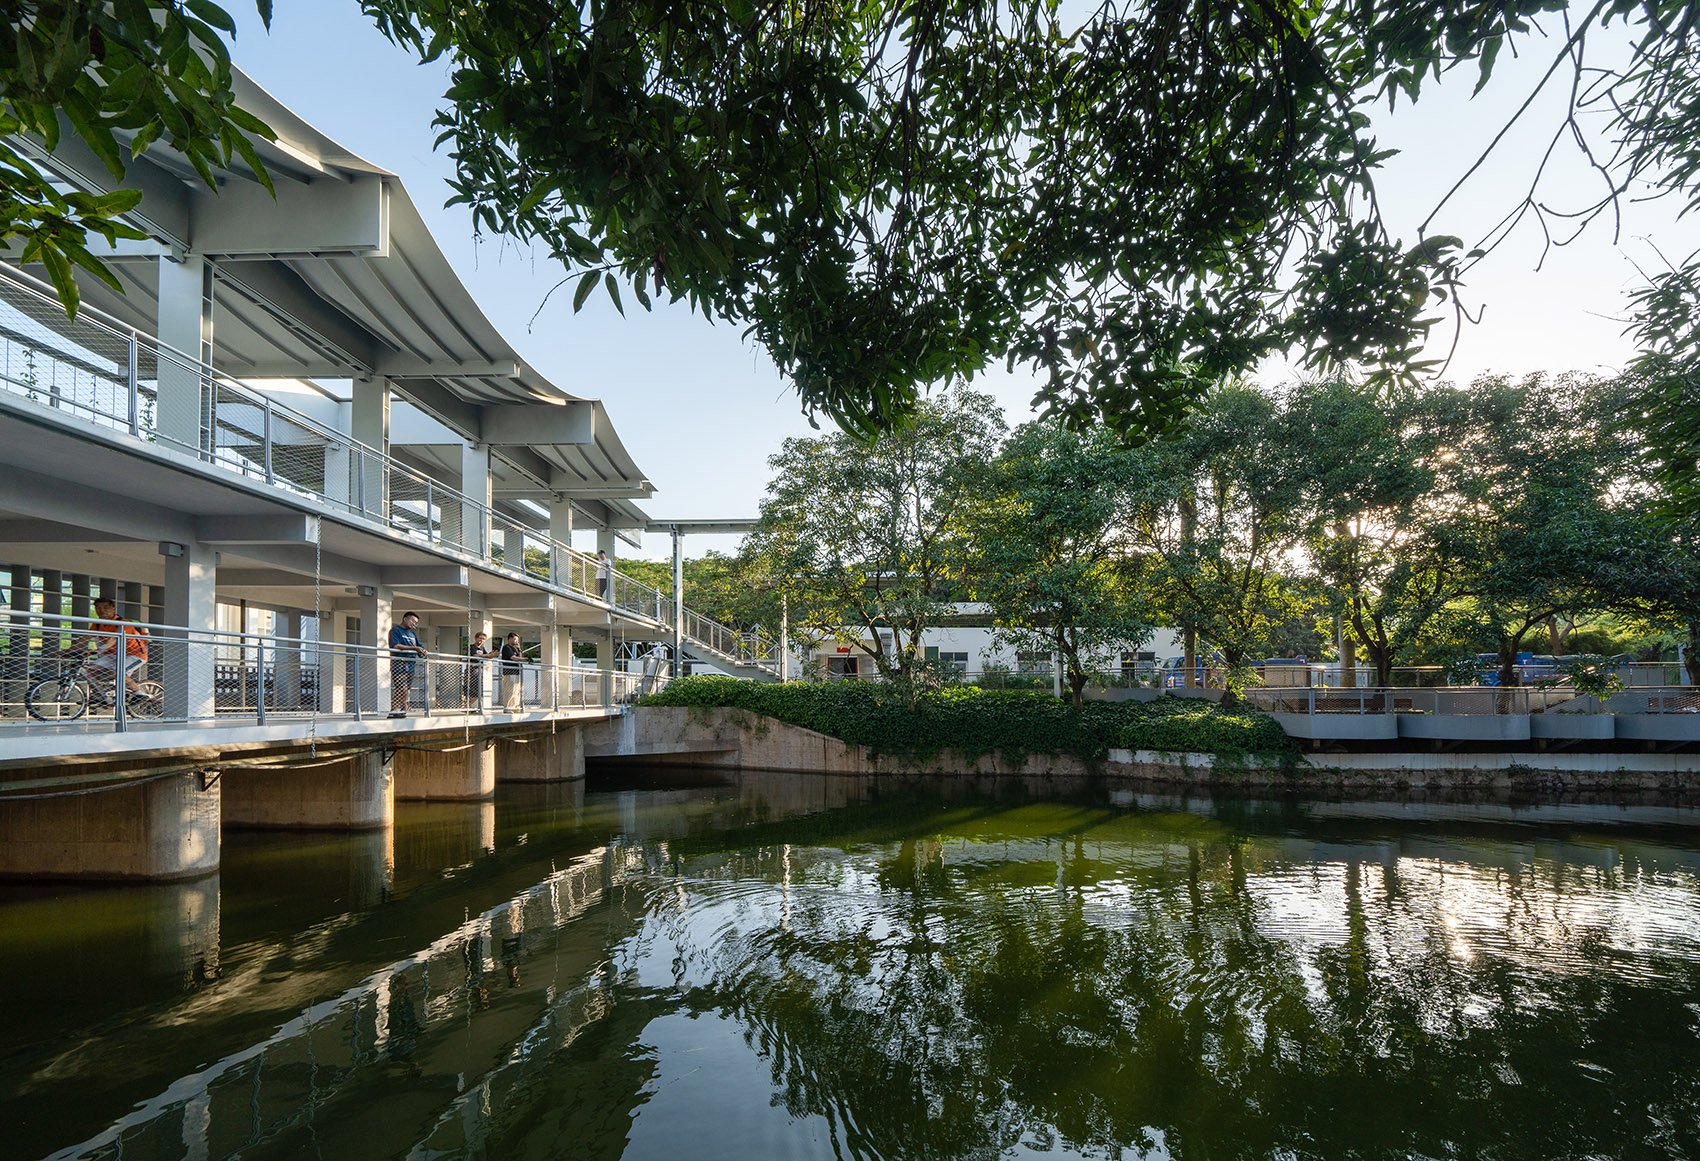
(105, 635)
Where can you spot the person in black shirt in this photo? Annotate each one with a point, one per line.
(513, 658)
(476, 652)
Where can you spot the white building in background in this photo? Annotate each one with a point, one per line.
(967, 643)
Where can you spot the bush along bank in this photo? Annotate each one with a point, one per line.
(1009, 723)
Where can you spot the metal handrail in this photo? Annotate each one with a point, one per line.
(414, 514)
(199, 676)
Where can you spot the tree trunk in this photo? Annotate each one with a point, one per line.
(1348, 660)
(1691, 655)
(1382, 658)
(1508, 662)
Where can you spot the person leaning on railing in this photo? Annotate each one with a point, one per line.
(405, 650)
(513, 666)
(476, 654)
(105, 635)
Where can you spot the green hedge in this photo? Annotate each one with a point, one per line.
(982, 721)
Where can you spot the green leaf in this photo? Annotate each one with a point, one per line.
(59, 273)
(614, 291)
(585, 286)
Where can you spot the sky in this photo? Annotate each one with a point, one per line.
(701, 409)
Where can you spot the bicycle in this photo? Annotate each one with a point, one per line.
(66, 694)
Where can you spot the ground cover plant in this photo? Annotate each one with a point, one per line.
(984, 721)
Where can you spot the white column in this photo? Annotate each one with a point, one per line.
(286, 668)
(561, 532)
(474, 520)
(369, 422)
(333, 662)
(183, 411)
(377, 615)
(550, 655)
(186, 670)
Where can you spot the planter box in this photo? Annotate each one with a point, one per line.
(1465, 727)
(1340, 727)
(1573, 727)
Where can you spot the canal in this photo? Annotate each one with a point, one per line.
(771, 966)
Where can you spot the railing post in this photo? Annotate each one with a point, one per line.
(429, 522)
(358, 712)
(260, 681)
(121, 685)
(135, 390)
(360, 473)
(268, 440)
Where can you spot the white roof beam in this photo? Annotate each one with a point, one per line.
(324, 217)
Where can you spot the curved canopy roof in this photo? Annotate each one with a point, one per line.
(339, 277)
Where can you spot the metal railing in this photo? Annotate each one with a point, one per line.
(1470, 700)
(117, 377)
(58, 669)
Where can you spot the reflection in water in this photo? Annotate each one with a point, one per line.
(803, 967)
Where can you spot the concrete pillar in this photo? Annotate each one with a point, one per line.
(557, 757)
(604, 668)
(183, 415)
(108, 590)
(156, 604)
(286, 663)
(369, 423)
(549, 691)
(472, 521)
(17, 664)
(132, 605)
(453, 774)
(164, 829)
(561, 532)
(52, 591)
(377, 616)
(355, 793)
(333, 663)
(182, 665)
(81, 605)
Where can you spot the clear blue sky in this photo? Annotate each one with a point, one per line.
(701, 409)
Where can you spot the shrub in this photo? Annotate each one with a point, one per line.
(978, 721)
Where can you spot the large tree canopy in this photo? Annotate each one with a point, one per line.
(1134, 201)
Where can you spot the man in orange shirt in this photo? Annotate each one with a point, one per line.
(106, 634)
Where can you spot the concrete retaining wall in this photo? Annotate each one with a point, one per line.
(355, 793)
(737, 739)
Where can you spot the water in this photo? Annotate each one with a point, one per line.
(833, 968)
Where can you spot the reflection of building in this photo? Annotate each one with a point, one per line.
(966, 643)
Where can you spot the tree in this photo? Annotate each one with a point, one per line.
(1222, 519)
(123, 75)
(870, 541)
(1051, 527)
(1377, 489)
(1529, 516)
(892, 193)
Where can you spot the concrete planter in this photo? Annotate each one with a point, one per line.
(1465, 727)
(1340, 727)
(1573, 727)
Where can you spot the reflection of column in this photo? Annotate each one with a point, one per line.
(371, 867)
(183, 929)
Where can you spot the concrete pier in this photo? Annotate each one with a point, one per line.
(355, 793)
(163, 828)
(456, 773)
(557, 757)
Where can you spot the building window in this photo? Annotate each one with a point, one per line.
(953, 662)
(1033, 664)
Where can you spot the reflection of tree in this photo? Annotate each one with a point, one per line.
(954, 1003)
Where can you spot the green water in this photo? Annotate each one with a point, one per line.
(825, 968)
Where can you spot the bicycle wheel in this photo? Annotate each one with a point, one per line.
(58, 699)
(147, 700)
